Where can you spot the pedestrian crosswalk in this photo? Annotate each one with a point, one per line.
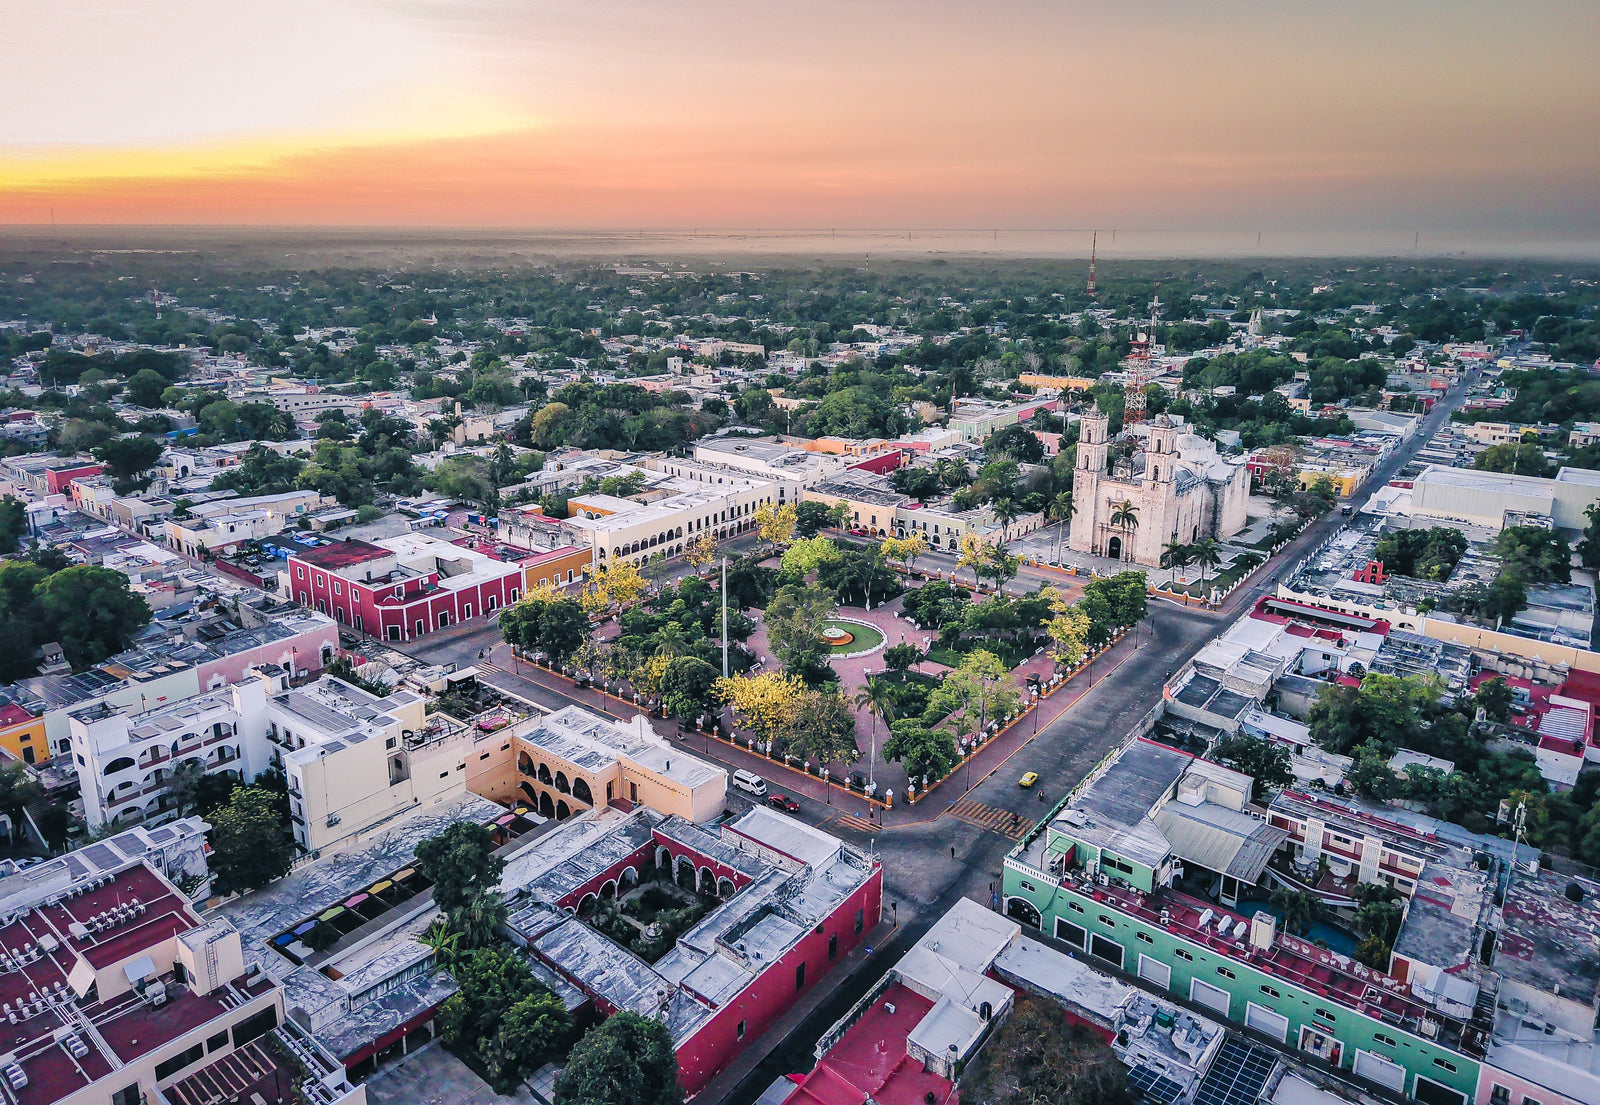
(995, 820)
(859, 824)
(484, 665)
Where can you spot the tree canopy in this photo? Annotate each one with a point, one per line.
(627, 1059)
(249, 848)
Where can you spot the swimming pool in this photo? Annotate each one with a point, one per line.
(1337, 939)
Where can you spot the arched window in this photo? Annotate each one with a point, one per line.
(121, 763)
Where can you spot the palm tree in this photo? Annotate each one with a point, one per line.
(1177, 555)
(500, 463)
(1005, 511)
(1299, 908)
(876, 696)
(1061, 510)
(1126, 518)
(951, 472)
(1207, 554)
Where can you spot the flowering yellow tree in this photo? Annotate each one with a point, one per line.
(542, 592)
(616, 583)
(646, 678)
(776, 524)
(905, 549)
(701, 550)
(974, 554)
(1068, 630)
(764, 703)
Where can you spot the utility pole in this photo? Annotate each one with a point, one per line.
(724, 616)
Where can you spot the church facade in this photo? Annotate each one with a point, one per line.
(1175, 488)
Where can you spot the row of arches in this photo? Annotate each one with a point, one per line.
(547, 806)
(684, 872)
(577, 786)
(217, 754)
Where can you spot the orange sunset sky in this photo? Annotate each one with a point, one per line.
(873, 113)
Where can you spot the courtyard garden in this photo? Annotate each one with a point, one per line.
(648, 918)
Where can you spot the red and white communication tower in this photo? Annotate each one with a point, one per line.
(1141, 367)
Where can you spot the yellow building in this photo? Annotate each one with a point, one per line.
(22, 734)
(1345, 479)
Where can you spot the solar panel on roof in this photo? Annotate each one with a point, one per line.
(1157, 1089)
(1237, 1074)
(99, 855)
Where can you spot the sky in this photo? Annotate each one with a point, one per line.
(1421, 115)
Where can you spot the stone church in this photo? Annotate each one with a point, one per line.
(1172, 487)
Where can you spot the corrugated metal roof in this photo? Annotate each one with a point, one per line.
(1220, 839)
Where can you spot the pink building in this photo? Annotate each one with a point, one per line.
(402, 587)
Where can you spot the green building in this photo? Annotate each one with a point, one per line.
(1154, 865)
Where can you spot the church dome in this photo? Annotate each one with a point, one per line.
(1195, 447)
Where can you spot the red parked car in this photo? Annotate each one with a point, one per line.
(783, 802)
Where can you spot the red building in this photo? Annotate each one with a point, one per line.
(402, 587)
(796, 903)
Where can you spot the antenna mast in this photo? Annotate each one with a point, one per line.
(1141, 368)
(1093, 243)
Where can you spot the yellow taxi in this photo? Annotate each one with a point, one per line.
(1029, 779)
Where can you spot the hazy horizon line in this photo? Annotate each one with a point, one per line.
(1111, 243)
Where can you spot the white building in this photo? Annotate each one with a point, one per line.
(225, 522)
(1175, 488)
(696, 499)
(764, 458)
(1485, 498)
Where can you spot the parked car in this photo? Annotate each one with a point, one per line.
(783, 802)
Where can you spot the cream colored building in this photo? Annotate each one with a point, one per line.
(1176, 487)
(356, 762)
(695, 499)
(573, 760)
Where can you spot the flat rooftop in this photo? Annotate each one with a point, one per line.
(1549, 942)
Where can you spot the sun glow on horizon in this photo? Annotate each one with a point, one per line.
(874, 113)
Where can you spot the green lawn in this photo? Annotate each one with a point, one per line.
(865, 637)
(1011, 653)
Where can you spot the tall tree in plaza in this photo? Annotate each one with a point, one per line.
(701, 549)
(616, 583)
(812, 517)
(1207, 553)
(775, 523)
(796, 617)
(924, 751)
(1060, 511)
(878, 697)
